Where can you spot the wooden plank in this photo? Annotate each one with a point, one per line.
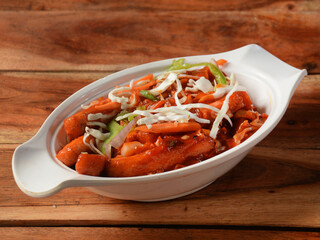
(111, 40)
(147, 233)
(82, 233)
(258, 192)
(34, 95)
(164, 5)
(296, 206)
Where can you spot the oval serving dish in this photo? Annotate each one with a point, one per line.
(270, 84)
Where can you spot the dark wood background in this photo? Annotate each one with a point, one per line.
(49, 50)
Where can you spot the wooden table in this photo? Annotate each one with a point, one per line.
(49, 50)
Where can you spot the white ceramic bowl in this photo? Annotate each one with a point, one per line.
(269, 82)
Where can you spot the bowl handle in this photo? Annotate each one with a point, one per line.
(36, 173)
(283, 75)
(288, 84)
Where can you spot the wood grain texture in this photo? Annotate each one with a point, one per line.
(163, 5)
(111, 233)
(277, 184)
(34, 96)
(111, 40)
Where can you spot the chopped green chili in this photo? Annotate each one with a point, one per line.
(114, 128)
(179, 64)
(148, 94)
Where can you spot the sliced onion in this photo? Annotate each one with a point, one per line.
(204, 85)
(214, 62)
(118, 140)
